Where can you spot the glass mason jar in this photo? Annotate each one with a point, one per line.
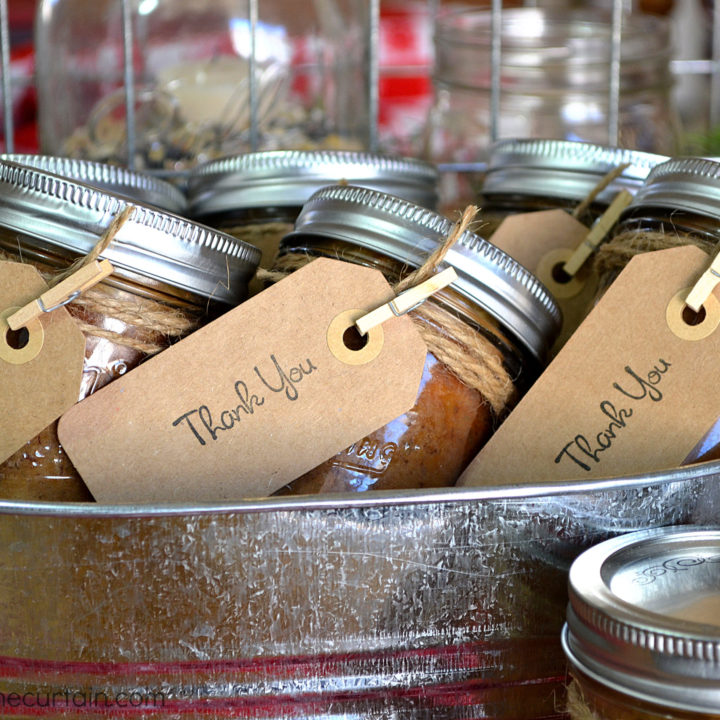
(128, 184)
(488, 336)
(170, 276)
(642, 633)
(257, 197)
(192, 78)
(554, 83)
(679, 204)
(526, 175)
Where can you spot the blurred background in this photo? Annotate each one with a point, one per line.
(433, 77)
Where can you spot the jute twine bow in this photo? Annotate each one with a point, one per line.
(157, 321)
(469, 355)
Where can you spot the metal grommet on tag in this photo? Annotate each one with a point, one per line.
(551, 266)
(708, 318)
(31, 347)
(337, 339)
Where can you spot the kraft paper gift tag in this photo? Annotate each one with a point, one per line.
(253, 400)
(40, 365)
(632, 391)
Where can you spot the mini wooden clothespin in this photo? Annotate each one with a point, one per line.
(406, 301)
(705, 285)
(63, 293)
(598, 231)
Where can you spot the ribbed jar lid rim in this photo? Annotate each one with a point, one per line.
(564, 168)
(289, 177)
(683, 183)
(625, 625)
(409, 233)
(67, 214)
(130, 184)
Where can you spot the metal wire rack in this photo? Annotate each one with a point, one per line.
(701, 66)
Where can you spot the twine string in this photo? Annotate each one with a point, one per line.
(613, 255)
(469, 355)
(599, 187)
(577, 706)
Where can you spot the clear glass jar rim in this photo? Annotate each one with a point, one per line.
(473, 27)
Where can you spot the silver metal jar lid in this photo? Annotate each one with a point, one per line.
(287, 178)
(644, 616)
(563, 169)
(409, 233)
(686, 183)
(62, 213)
(134, 186)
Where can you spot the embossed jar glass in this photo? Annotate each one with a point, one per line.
(643, 630)
(497, 316)
(170, 276)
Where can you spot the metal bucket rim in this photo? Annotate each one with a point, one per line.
(370, 499)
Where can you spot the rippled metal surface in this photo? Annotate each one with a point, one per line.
(444, 604)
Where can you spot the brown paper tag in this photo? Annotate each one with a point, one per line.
(542, 242)
(250, 402)
(632, 391)
(41, 369)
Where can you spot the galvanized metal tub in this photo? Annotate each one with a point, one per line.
(442, 604)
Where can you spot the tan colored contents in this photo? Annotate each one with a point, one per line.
(426, 447)
(121, 327)
(464, 390)
(267, 238)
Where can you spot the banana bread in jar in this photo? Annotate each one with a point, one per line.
(488, 335)
(257, 197)
(679, 204)
(128, 184)
(529, 175)
(642, 635)
(170, 276)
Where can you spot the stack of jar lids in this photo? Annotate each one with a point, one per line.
(131, 185)
(644, 617)
(63, 214)
(409, 233)
(287, 178)
(563, 169)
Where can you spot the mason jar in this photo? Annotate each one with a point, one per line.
(488, 336)
(128, 184)
(191, 76)
(527, 175)
(257, 197)
(554, 83)
(678, 204)
(642, 633)
(170, 276)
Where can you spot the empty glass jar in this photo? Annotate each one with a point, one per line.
(555, 75)
(193, 81)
